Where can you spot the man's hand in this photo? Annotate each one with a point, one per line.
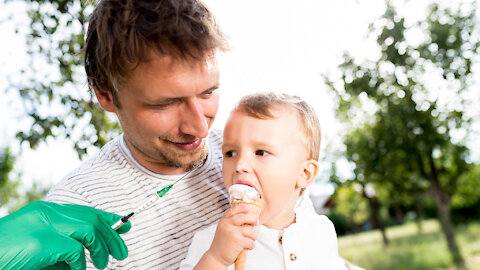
(43, 234)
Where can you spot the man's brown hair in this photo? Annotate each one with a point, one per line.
(123, 33)
(261, 105)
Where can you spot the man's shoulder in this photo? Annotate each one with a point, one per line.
(109, 160)
(109, 155)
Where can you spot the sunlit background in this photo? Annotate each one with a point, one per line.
(282, 46)
(276, 45)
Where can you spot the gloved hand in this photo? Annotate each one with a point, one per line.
(42, 233)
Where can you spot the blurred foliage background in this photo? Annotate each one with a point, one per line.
(407, 118)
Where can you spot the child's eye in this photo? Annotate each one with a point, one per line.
(230, 154)
(261, 153)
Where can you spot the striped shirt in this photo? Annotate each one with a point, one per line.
(114, 181)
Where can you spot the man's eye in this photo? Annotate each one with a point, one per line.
(230, 154)
(261, 153)
(209, 92)
(162, 106)
(166, 103)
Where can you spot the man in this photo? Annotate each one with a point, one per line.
(153, 64)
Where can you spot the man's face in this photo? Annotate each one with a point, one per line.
(267, 155)
(166, 109)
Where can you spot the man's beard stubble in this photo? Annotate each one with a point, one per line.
(178, 163)
(168, 154)
(175, 158)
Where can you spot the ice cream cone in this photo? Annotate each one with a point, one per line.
(241, 260)
(242, 194)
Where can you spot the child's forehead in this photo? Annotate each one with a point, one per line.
(274, 112)
(284, 116)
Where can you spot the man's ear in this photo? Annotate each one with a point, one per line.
(105, 100)
(308, 173)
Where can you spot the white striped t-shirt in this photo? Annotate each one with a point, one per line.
(160, 235)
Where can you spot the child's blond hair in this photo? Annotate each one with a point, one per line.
(260, 105)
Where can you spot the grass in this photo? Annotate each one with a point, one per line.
(410, 249)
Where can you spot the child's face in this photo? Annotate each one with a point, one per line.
(270, 156)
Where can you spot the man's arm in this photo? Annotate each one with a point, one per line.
(42, 234)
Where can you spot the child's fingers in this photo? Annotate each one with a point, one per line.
(237, 209)
(249, 232)
(246, 237)
(249, 244)
(244, 219)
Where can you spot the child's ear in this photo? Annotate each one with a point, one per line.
(105, 100)
(308, 173)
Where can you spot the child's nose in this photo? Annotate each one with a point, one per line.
(242, 165)
(240, 169)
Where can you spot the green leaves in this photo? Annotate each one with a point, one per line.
(395, 118)
(404, 111)
(53, 87)
(8, 186)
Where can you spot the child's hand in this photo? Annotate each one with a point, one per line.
(234, 233)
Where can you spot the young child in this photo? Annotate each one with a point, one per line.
(271, 142)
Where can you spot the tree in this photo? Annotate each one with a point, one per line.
(35, 193)
(53, 86)
(8, 186)
(406, 108)
(350, 205)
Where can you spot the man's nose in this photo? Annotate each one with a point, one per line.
(194, 121)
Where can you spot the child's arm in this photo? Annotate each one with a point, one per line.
(231, 237)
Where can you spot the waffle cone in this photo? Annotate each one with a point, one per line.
(241, 260)
(255, 209)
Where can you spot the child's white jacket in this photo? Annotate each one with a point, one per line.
(309, 243)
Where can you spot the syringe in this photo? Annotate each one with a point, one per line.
(151, 199)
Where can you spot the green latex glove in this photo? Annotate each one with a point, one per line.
(43, 234)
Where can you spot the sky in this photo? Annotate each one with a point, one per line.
(276, 45)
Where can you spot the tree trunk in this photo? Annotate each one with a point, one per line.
(375, 218)
(386, 242)
(442, 203)
(397, 213)
(419, 213)
(351, 222)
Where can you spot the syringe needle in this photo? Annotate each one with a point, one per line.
(152, 198)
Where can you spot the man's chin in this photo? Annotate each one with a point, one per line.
(186, 164)
(188, 161)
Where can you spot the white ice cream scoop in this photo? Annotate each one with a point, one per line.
(243, 193)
